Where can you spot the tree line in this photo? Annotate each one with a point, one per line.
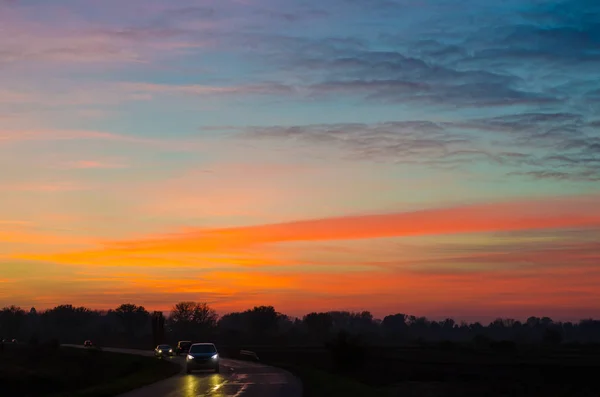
(130, 325)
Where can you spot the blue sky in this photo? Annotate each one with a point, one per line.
(124, 122)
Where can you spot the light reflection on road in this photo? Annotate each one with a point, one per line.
(204, 385)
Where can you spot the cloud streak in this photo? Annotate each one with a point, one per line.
(577, 212)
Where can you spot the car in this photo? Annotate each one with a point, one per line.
(202, 356)
(88, 343)
(163, 351)
(14, 341)
(183, 346)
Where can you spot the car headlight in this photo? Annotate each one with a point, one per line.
(170, 350)
(190, 357)
(214, 357)
(160, 351)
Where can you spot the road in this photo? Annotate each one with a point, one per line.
(237, 379)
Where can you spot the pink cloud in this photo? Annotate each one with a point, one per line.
(69, 38)
(24, 135)
(91, 164)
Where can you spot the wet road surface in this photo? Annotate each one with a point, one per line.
(237, 379)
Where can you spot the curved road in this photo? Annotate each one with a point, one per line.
(237, 379)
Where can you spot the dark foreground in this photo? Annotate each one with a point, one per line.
(443, 371)
(62, 371)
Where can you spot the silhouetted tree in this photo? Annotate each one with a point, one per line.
(262, 320)
(394, 327)
(318, 325)
(132, 318)
(191, 320)
(12, 319)
(158, 328)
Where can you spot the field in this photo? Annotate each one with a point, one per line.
(449, 371)
(61, 372)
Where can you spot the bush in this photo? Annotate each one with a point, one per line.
(504, 346)
(348, 354)
(552, 337)
(34, 341)
(51, 345)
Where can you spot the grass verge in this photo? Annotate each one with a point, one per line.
(318, 383)
(62, 372)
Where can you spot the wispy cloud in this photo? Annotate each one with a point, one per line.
(194, 89)
(9, 136)
(510, 142)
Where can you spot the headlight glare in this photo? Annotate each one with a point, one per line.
(214, 357)
(190, 357)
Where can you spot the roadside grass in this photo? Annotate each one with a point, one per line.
(319, 383)
(71, 372)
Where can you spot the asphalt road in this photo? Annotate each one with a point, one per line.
(237, 379)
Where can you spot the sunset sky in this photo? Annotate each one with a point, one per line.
(430, 157)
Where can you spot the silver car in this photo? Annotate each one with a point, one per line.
(163, 351)
(202, 356)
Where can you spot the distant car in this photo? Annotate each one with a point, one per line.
(183, 346)
(88, 343)
(202, 356)
(15, 341)
(163, 351)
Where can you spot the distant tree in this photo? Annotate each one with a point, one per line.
(394, 323)
(361, 322)
(318, 325)
(132, 318)
(193, 320)
(68, 323)
(233, 328)
(158, 327)
(552, 337)
(533, 321)
(12, 319)
(262, 320)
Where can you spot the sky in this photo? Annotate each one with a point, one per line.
(430, 157)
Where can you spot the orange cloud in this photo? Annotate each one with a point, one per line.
(240, 245)
(495, 217)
